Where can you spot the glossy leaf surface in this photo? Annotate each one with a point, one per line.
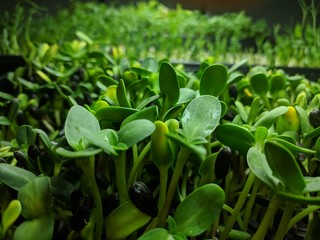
(199, 210)
(79, 117)
(201, 117)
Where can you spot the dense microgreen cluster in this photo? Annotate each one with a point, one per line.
(95, 145)
(161, 32)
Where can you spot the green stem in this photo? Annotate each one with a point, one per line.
(163, 187)
(137, 163)
(251, 201)
(305, 212)
(268, 217)
(239, 220)
(181, 160)
(88, 167)
(238, 207)
(121, 181)
(282, 229)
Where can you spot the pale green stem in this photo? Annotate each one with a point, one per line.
(88, 168)
(238, 207)
(239, 220)
(250, 204)
(121, 181)
(163, 187)
(305, 212)
(181, 160)
(137, 164)
(287, 214)
(268, 217)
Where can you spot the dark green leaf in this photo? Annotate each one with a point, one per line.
(25, 135)
(122, 95)
(313, 229)
(213, 80)
(280, 161)
(277, 83)
(114, 113)
(150, 113)
(168, 84)
(241, 140)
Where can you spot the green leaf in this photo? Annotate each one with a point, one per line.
(84, 37)
(150, 113)
(199, 150)
(100, 139)
(284, 166)
(125, 220)
(276, 83)
(37, 228)
(15, 177)
(201, 117)
(35, 197)
(258, 164)
(312, 184)
(156, 234)
(242, 111)
(4, 121)
(259, 81)
(242, 139)
(25, 135)
(268, 118)
(150, 64)
(168, 83)
(199, 210)
(122, 95)
(79, 117)
(213, 80)
(77, 154)
(186, 95)
(135, 131)
(254, 110)
(10, 215)
(114, 113)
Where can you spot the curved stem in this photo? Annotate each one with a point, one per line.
(137, 163)
(181, 160)
(121, 181)
(238, 207)
(305, 212)
(268, 217)
(163, 187)
(239, 220)
(88, 167)
(251, 201)
(282, 229)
